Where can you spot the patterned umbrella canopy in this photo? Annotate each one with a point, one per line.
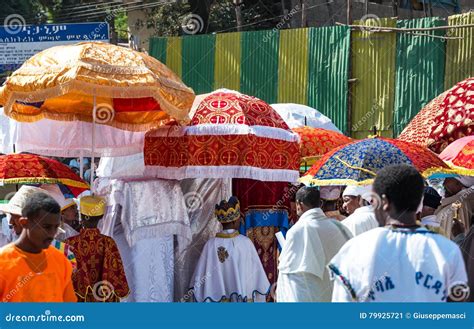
(35, 169)
(357, 163)
(445, 119)
(132, 91)
(231, 135)
(315, 142)
(460, 155)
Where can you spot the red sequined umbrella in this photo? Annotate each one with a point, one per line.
(315, 142)
(231, 135)
(460, 155)
(35, 169)
(446, 118)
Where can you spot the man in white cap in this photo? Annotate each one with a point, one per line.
(362, 218)
(457, 207)
(14, 208)
(66, 205)
(329, 197)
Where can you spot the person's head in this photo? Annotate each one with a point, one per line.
(329, 196)
(228, 213)
(307, 198)
(70, 214)
(92, 210)
(453, 186)
(431, 201)
(14, 223)
(40, 220)
(355, 197)
(400, 189)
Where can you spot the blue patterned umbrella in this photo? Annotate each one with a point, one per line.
(357, 163)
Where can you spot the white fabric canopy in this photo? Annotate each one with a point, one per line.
(67, 138)
(295, 114)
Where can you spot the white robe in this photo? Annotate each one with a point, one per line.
(229, 270)
(362, 220)
(309, 246)
(397, 265)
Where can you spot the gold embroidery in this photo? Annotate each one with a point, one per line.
(222, 254)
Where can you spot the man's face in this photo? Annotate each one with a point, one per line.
(15, 223)
(70, 214)
(350, 203)
(42, 229)
(451, 186)
(299, 209)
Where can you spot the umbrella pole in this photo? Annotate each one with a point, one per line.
(81, 165)
(94, 113)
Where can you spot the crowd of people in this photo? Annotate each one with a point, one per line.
(401, 241)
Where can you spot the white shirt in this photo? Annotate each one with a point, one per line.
(310, 244)
(362, 220)
(397, 265)
(229, 269)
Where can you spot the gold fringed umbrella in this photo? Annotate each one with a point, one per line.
(125, 89)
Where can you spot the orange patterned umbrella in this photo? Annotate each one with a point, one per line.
(446, 118)
(95, 81)
(460, 154)
(35, 169)
(315, 142)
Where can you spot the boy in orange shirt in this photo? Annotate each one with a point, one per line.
(31, 270)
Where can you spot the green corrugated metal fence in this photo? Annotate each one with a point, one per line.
(459, 58)
(396, 74)
(328, 72)
(419, 70)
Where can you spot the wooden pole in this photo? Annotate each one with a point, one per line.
(395, 8)
(304, 18)
(330, 12)
(349, 12)
(366, 9)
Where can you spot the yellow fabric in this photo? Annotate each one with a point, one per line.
(293, 66)
(66, 77)
(92, 206)
(227, 61)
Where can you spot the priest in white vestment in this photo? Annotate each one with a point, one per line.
(310, 245)
(362, 218)
(229, 269)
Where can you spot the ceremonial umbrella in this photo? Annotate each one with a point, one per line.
(299, 115)
(460, 155)
(231, 135)
(99, 83)
(315, 142)
(446, 118)
(34, 169)
(96, 82)
(357, 163)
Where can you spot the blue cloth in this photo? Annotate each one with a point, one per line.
(258, 218)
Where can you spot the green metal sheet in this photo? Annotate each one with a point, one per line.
(373, 65)
(259, 64)
(329, 49)
(158, 49)
(419, 69)
(459, 52)
(198, 62)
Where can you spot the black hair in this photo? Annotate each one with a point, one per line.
(402, 185)
(309, 196)
(37, 202)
